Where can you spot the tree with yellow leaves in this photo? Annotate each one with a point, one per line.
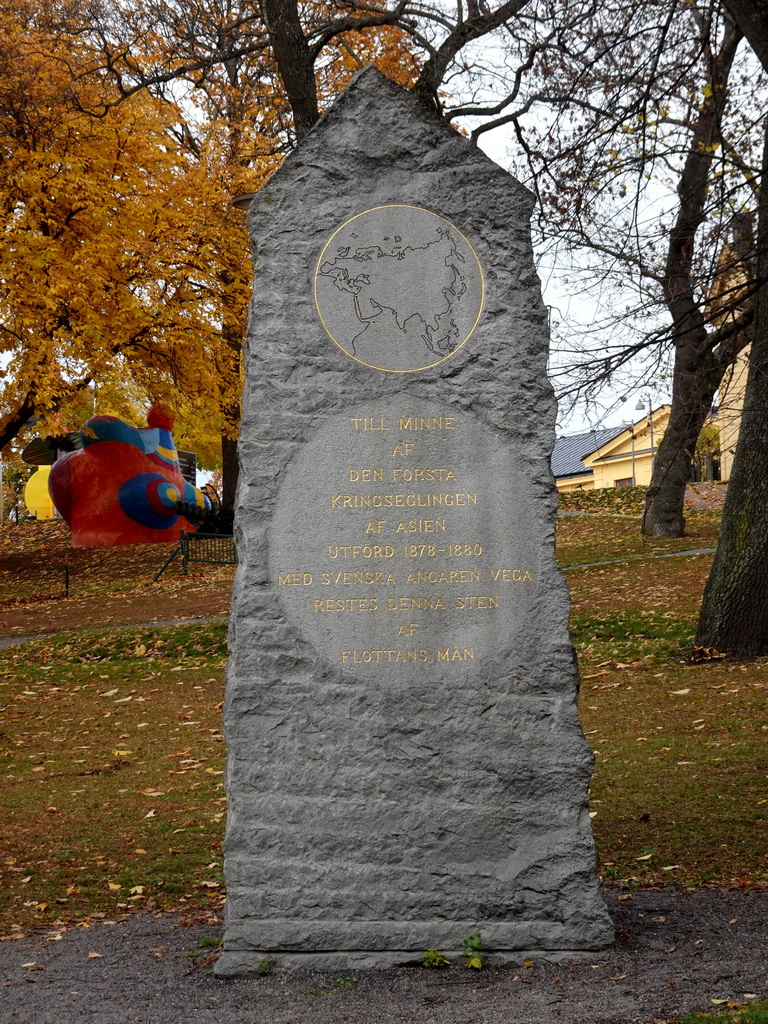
(156, 115)
(96, 240)
(237, 128)
(122, 256)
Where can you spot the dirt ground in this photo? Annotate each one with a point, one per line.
(107, 586)
(201, 598)
(706, 495)
(675, 952)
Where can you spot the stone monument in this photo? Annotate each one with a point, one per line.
(406, 765)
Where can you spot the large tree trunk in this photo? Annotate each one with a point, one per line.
(752, 18)
(230, 369)
(294, 61)
(697, 372)
(672, 465)
(697, 376)
(734, 615)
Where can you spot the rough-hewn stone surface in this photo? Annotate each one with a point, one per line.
(381, 807)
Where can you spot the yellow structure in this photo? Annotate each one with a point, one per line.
(613, 457)
(627, 460)
(36, 495)
(731, 286)
(621, 456)
(731, 404)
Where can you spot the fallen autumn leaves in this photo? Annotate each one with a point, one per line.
(114, 758)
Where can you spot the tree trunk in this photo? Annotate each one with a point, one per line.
(752, 18)
(663, 516)
(294, 62)
(697, 371)
(734, 614)
(230, 472)
(230, 370)
(672, 465)
(15, 421)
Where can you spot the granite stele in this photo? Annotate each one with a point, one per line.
(406, 765)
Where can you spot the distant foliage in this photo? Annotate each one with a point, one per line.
(625, 501)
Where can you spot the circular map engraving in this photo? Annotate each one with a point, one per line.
(399, 288)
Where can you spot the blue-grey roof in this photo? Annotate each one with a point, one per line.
(569, 451)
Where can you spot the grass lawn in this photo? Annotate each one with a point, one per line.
(114, 758)
(734, 1013)
(606, 524)
(113, 761)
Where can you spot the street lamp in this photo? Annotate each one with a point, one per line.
(629, 424)
(632, 428)
(641, 405)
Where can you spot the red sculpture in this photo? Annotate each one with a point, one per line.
(124, 485)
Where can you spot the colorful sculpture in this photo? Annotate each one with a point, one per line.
(124, 485)
(37, 497)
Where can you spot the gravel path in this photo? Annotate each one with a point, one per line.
(675, 952)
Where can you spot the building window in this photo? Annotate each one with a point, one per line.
(626, 481)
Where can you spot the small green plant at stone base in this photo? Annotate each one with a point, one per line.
(755, 1013)
(346, 982)
(264, 965)
(434, 958)
(473, 957)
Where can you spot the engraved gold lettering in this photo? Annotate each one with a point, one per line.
(459, 550)
(510, 575)
(471, 601)
(408, 629)
(426, 422)
(294, 579)
(348, 579)
(453, 576)
(402, 449)
(408, 604)
(346, 604)
(375, 527)
(432, 500)
(419, 550)
(368, 423)
(365, 475)
(457, 654)
(382, 656)
(421, 526)
(360, 551)
(419, 474)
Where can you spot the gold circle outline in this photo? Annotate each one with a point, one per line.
(405, 206)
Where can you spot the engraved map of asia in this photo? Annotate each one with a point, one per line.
(399, 288)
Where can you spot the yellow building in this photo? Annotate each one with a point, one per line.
(731, 404)
(731, 287)
(619, 456)
(610, 457)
